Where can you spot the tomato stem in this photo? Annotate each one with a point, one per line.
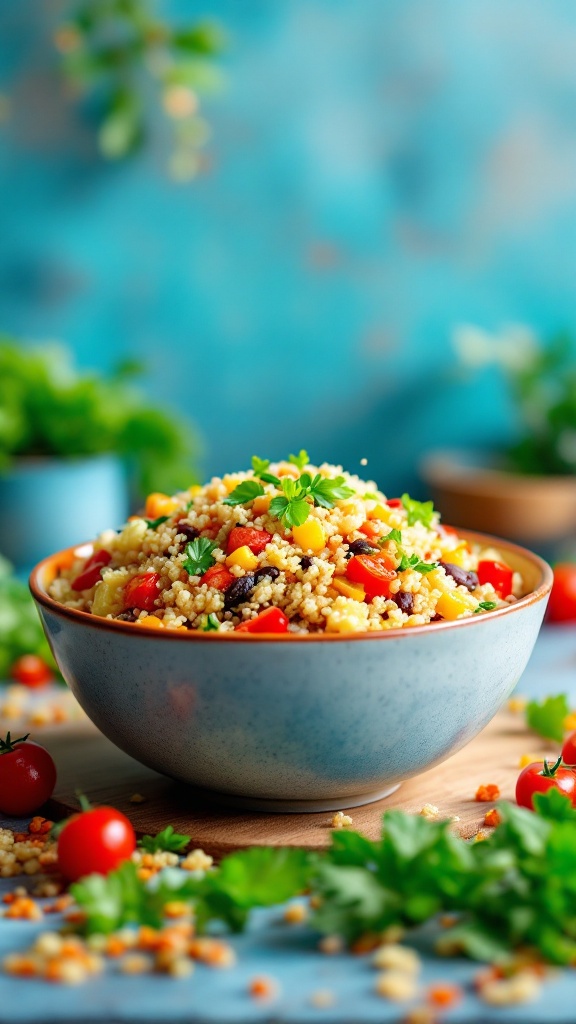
(549, 772)
(7, 746)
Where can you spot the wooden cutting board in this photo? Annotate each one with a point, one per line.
(88, 762)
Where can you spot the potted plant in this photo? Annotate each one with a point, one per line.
(526, 490)
(72, 447)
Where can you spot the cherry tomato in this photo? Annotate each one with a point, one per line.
(562, 603)
(32, 671)
(27, 776)
(141, 591)
(394, 503)
(498, 574)
(94, 842)
(92, 571)
(569, 750)
(539, 777)
(374, 572)
(271, 620)
(247, 536)
(218, 576)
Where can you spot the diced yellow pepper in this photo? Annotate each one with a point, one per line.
(353, 590)
(380, 512)
(158, 504)
(457, 555)
(151, 621)
(261, 504)
(230, 482)
(451, 605)
(194, 490)
(243, 557)
(310, 536)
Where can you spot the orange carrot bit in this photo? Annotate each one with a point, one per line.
(25, 909)
(114, 946)
(22, 837)
(263, 988)
(39, 824)
(9, 897)
(492, 817)
(486, 794)
(444, 994)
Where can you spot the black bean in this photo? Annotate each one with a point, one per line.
(405, 601)
(306, 562)
(460, 576)
(238, 591)
(361, 547)
(126, 617)
(266, 570)
(190, 532)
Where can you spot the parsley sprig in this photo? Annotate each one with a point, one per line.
(200, 558)
(547, 717)
(300, 460)
(485, 606)
(292, 508)
(244, 493)
(260, 467)
(418, 511)
(167, 839)
(406, 561)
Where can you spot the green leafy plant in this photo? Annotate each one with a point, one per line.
(20, 628)
(128, 60)
(167, 839)
(199, 556)
(547, 717)
(49, 408)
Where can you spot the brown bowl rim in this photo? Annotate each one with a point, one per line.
(113, 625)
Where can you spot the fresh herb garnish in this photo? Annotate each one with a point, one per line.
(370, 496)
(244, 493)
(394, 535)
(153, 523)
(167, 839)
(418, 511)
(199, 552)
(300, 460)
(414, 562)
(210, 623)
(547, 717)
(293, 509)
(485, 606)
(260, 467)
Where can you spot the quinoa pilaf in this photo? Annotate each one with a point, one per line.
(286, 547)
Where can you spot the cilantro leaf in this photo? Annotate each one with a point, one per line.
(300, 460)
(199, 552)
(547, 718)
(418, 511)
(210, 623)
(153, 523)
(327, 492)
(168, 839)
(414, 562)
(394, 535)
(244, 493)
(485, 606)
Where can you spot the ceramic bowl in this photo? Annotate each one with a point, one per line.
(296, 723)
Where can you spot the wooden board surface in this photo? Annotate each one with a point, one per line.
(87, 761)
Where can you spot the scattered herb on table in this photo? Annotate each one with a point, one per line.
(547, 717)
(167, 839)
(199, 556)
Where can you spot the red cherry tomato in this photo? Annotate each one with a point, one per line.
(562, 603)
(498, 574)
(271, 620)
(218, 576)
(32, 671)
(27, 776)
(539, 777)
(247, 536)
(374, 572)
(141, 591)
(91, 572)
(394, 502)
(569, 750)
(94, 842)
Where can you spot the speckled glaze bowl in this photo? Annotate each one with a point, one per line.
(295, 723)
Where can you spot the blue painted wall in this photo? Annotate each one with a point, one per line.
(379, 171)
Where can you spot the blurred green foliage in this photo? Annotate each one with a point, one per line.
(20, 628)
(124, 56)
(48, 408)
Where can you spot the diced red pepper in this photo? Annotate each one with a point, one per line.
(498, 574)
(141, 591)
(91, 571)
(218, 576)
(271, 620)
(247, 536)
(370, 529)
(394, 502)
(374, 572)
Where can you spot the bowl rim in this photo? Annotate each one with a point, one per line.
(113, 625)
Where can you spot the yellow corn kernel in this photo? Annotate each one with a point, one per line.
(243, 557)
(158, 504)
(526, 759)
(380, 512)
(261, 504)
(452, 605)
(353, 590)
(310, 536)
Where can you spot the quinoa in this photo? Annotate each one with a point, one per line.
(363, 564)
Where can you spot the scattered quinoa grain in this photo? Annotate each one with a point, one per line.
(429, 811)
(197, 860)
(397, 958)
(341, 820)
(396, 985)
(296, 913)
(135, 963)
(521, 988)
(331, 944)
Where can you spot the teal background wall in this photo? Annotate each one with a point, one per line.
(379, 171)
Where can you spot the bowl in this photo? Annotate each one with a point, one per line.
(295, 723)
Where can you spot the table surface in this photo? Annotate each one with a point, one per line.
(289, 954)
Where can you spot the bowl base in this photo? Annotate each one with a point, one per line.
(249, 803)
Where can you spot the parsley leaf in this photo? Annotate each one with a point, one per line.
(485, 606)
(291, 512)
(199, 552)
(394, 535)
(292, 508)
(111, 901)
(260, 466)
(168, 839)
(370, 496)
(418, 511)
(327, 492)
(414, 562)
(153, 523)
(210, 623)
(300, 460)
(547, 718)
(244, 493)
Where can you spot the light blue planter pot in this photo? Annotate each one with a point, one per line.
(48, 504)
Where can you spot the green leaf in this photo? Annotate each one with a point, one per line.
(554, 806)
(168, 839)
(485, 606)
(418, 511)
(547, 717)
(291, 512)
(394, 535)
(414, 562)
(300, 460)
(327, 492)
(244, 493)
(153, 523)
(259, 465)
(210, 623)
(200, 558)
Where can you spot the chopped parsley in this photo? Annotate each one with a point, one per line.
(394, 535)
(547, 717)
(244, 493)
(414, 562)
(371, 496)
(485, 606)
(418, 511)
(153, 523)
(199, 552)
(168, 839)
(293, 508)
(260, 467)
(300, 460)
(210, 623)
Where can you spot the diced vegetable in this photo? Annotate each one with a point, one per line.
(353, 590)
(310, 536)
(141, 591)
(371, 530)
(91, 572)
(498, 574)
(218, 576)
(247, 536)
(243, 557)
(158, 504)
(373, 572)
(271, 620)
(452, 605)
(380, 512)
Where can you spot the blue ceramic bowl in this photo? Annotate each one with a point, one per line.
(295, 723)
